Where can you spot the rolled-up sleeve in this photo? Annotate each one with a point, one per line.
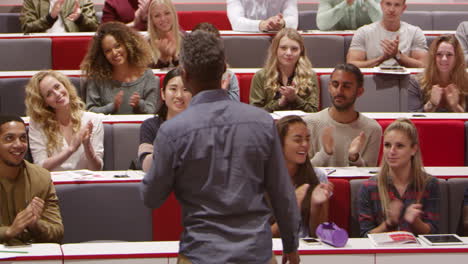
(158, 182)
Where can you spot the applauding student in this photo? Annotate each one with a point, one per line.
(62, 135)
(118, 78)
(55, 16)
(312, 187)
(402, 196)
(165, 35)
(443, 85)
(287, 81)
(341, 135)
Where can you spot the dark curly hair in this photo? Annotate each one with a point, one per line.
(202, 56)
(95, 64)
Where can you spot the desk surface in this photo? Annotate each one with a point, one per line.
(86, 176)
(355, 246)
(46, 253)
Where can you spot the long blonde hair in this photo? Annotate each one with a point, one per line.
(303, 70)
(44, 115)
(155, 36)
(458, 76)
(419, 175)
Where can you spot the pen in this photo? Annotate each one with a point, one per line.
(9, 251)
(331, 171)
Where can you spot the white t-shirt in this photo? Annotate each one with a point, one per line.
(367, 38)
(78, 160)
(246, 15)
(58, 26)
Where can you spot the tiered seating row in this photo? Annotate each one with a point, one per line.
(114, 211)
(66, 51)
(426, 20)
(383, 93)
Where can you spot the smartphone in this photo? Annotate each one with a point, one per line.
(311, 241)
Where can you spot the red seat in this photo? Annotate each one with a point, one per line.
(68, 52)
(167, 225)
(340, 203)
(189, 19)
(245, 80)
(442, 141)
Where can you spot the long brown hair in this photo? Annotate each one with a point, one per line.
(458, 76)
(305, 172)
(418, 174)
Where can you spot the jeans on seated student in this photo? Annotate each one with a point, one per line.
(402, 196)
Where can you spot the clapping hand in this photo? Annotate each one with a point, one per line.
(135, 100)
(76, 12)
(390, 47)
(328, 141)
(322, 193)
(356, 146)
(413, 212)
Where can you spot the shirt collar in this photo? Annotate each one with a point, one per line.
(209, 96)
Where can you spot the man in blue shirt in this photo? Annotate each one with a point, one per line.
(221, 157)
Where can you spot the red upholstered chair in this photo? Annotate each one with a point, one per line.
(339, 210)
(167, 225)
(68, 52)
(189, 19)
(245, 80)
(442, 141)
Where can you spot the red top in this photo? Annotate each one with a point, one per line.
(121, 10)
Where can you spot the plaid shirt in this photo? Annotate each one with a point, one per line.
(370, 208)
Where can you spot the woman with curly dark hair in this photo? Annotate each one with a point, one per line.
(118, 78)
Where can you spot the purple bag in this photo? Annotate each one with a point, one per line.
(332, 234)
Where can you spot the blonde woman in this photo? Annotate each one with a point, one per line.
(62, 136)
(287, 81)
(165, 35)
(443, 86)
(402, 196)
(118, 78)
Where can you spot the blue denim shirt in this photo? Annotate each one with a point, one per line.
(220, 156)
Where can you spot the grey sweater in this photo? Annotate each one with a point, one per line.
(100, 95)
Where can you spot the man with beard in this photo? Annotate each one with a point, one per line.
(341, 136)
(29, 210)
